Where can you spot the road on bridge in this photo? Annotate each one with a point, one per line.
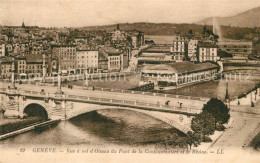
(115, 95)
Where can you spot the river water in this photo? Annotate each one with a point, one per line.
(103, 128)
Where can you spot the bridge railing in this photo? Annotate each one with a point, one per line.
(149, 93)
(112, 101)
(136, 103)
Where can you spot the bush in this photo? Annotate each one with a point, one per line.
(207, 139)
(220, 127)
(255, 143)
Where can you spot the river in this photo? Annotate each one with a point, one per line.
(103, 128)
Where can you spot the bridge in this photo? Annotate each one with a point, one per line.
(26, 98)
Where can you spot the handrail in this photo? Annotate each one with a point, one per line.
(113, 101)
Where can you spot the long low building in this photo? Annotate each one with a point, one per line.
(175, 75)
(240, 49)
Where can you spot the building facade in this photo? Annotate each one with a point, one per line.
(21, 64)
(172, 76)
(7, 65)
(34, 64)
(66, 55)
(87, 61)
(2, 50)
(114, 59)
(240, 49)
(207, 52)
(192, 49)
(180, 47)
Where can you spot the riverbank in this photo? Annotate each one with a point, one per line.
(10, 125)
(13, 126)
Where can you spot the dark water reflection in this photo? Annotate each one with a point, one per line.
(108, 127)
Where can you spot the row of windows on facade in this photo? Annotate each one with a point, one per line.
(87, 57)
(84, 66)
(89, 61)
(30, 67)
(68, 50)
(236, 46)
(67, 67)
(208, 54)
(212, 49)
(114, 58)
(236, 50)
(114, 62)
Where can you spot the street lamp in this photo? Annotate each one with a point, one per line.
(13, 77)
(43, 69)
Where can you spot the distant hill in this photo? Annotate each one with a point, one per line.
(151, 28)
(250, 18)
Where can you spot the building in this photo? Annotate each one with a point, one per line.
(174, 75)
(102, 60)
(137, 38)
(34, 64)
(240, 49)
(180, 48)
(117, 59)
(81, 40)
(156, 53)
(2, 50)
(87, 61)
(9, 48)
(37, 49)
(7, 66)
(207, 52)
(118, 37)
(192, 49)
(20, 64)
(66, 55)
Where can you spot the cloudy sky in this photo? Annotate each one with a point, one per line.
(78, 13)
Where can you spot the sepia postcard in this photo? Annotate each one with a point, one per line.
(129, 81)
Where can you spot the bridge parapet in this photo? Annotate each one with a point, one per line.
(109, 101)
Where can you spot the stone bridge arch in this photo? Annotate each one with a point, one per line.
(30, 104)
(73, 110)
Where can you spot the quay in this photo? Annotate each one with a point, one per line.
(29, 128)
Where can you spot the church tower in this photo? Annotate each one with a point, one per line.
(23, 26)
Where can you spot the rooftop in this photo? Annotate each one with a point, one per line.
(34, 58)
(184, 67)
(180, 67)
(207, 45)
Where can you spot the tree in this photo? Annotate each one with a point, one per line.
(190, 32)
(192, 139)
(204, 31)
(218, 110)
(174, 140)
(203, 124)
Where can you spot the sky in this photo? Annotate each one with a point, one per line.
(79, 13)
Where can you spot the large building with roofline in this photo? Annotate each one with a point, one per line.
(175, 75)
